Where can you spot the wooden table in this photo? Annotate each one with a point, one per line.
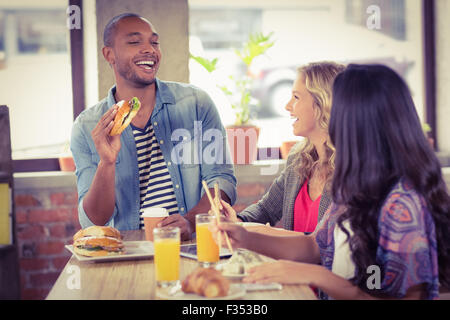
(135, 280)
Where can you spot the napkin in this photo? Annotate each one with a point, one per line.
(261, 286)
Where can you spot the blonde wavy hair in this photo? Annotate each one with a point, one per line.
(319, 78)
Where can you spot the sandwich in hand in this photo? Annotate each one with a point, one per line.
(127, 111)
(97, 241)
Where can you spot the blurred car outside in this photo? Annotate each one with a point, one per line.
(273, 85)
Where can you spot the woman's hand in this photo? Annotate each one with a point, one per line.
(239, 237)
(229, 212)
(285, 272)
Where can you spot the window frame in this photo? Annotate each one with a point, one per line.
(77, 61)
(78, 97)
(429, 51)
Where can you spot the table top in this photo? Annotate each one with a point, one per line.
(135, 280)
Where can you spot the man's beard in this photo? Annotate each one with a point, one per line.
(126, 71)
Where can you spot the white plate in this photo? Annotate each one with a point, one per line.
(133, 250)
(236, 291)
(262, 286)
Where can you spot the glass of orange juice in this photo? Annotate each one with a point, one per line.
(166, 241)
(207, 249)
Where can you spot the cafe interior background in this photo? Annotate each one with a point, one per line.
(51, 68)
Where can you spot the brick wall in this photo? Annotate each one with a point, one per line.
(46, 221)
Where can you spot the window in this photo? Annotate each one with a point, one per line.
(35, 77)
(394, 22)
(40, 32)
(358, 31)
(233, 25)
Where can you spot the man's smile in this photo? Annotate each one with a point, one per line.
(145, 64)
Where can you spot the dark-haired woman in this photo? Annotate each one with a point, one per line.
(386, 234)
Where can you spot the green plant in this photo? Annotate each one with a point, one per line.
(426, 128)
(239, 90)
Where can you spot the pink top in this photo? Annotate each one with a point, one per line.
(306, 211)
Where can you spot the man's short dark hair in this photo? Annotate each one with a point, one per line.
(110, 29)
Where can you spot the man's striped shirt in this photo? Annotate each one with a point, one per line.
(155, 183)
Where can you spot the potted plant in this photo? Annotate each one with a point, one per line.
(242, 135)
(426, 130)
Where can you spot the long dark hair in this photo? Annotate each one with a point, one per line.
(379, 140)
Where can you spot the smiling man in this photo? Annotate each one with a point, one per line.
(119, 176)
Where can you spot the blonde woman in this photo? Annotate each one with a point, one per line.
(300, 195)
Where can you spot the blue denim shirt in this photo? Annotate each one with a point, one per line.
(184, 120)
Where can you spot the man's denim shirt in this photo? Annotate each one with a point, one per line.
(192, 140)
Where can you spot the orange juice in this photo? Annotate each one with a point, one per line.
(207, 249)
(167, 259)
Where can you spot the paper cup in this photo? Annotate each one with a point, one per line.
(152, 216)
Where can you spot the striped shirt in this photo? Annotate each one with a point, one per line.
(155, 183)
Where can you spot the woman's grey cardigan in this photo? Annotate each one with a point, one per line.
(278, 202)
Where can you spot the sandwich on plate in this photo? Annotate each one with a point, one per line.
(97, 241)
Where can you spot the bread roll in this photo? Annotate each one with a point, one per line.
(97, 231)
(206, 282)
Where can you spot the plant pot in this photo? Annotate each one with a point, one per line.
(66, 163)
(243, 143)
(431, 142)
(286, 146)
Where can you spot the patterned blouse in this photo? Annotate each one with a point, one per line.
(407, 248)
